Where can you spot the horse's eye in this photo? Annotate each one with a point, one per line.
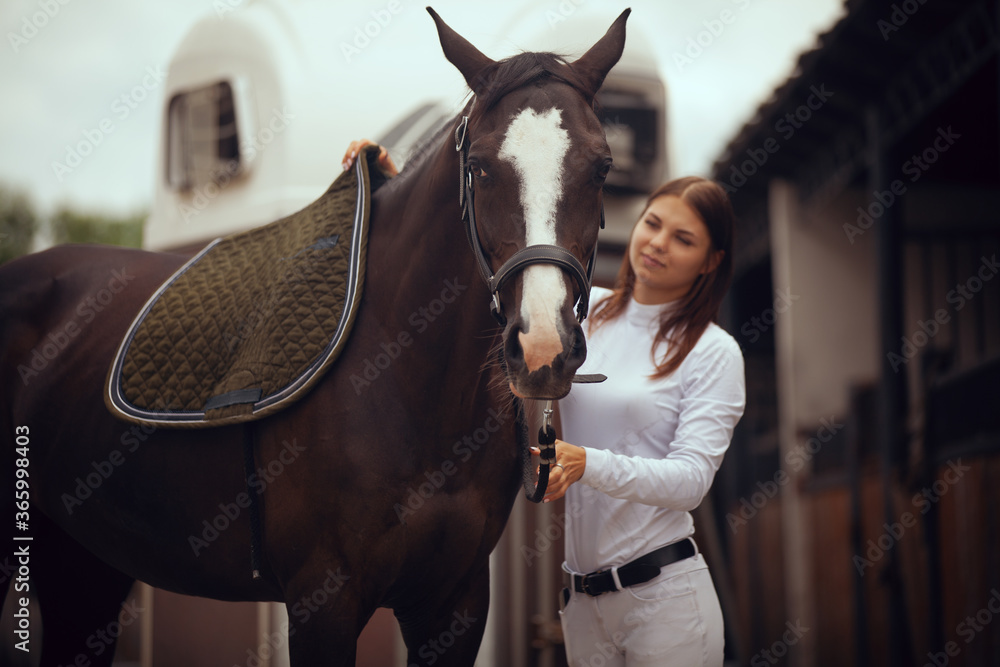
(602, 171)
(477, 171)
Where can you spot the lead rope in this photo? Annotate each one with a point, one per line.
(547, 453)
(547, 443)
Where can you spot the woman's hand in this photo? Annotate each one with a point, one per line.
(572, 462)
(385, 162)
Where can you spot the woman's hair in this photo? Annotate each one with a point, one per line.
(682, 327)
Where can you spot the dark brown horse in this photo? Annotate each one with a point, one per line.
(389, 492)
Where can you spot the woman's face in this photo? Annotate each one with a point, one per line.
(669, 249)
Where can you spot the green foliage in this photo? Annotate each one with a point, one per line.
(18, 223)
(69, 226)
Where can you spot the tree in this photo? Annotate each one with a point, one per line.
(70, 226)
(18, 223)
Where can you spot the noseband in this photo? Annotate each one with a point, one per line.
(540, 253)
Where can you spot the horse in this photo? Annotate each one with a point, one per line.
(343, 531)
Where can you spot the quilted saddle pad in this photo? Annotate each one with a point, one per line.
(253, 321)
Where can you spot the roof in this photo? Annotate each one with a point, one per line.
(883, 67)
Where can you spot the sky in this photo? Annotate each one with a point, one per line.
(94, 70)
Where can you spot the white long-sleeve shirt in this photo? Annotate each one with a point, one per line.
(653, 446)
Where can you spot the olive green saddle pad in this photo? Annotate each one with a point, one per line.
(253, 321)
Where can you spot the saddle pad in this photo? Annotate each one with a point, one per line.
(252, 322)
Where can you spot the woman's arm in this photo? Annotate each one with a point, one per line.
(712, 403)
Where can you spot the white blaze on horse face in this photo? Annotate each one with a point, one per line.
(536, 144)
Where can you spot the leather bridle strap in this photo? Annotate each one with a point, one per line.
(543, 253)
(534, 254)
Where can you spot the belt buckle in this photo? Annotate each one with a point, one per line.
(583, 583)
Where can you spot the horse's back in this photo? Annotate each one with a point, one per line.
(56, 303)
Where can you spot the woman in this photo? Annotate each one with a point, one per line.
(648, 441)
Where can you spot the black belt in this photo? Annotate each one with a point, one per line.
(639, 571)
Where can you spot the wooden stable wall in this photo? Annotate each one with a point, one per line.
(970, 558)
(968, 506)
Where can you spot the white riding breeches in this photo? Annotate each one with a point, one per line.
(672, 619)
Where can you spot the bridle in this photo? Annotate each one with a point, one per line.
(540, 253)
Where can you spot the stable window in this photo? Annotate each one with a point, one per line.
(202, 137)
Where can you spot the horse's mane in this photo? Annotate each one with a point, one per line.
(426, 148)
(517, 71)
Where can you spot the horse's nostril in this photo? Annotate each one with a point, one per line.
(579, 344)
(512, 349)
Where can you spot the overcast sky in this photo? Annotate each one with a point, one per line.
(65, 65)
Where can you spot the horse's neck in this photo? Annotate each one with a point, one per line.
(429, 278)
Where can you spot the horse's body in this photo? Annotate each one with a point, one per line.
(387, 489)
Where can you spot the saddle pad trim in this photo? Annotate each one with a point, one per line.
(123, 409)
(115, 399)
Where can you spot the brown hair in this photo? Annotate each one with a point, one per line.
(683, 326)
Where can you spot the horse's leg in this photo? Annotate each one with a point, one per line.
(448, 634)
(325, 616)
(80, 599)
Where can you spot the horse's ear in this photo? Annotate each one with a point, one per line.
(595, 64)
(469, 60)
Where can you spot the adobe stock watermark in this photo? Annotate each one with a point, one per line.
(787, 126)
(87, 310)
(121, 108)
(261, 311)
(433, 649)
(363, 35)
(258, 482)
(224, 7)
(958, 297)
(462, 450)
(922, 502)
(546, 538)
(900, 14)
(299, 614)
(221, 177)
(704, 39)
(635, 437)
(104, 637)
(795, 460)
(420, 320)
(86, 485)
(755, 326)
(779, 649)
(562, 11)
(604, 651)
(915, 167)
(968, 628)
(32, 24)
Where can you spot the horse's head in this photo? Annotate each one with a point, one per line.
(533, 162)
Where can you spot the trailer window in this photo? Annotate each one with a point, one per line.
(630, 124)
(202, 137)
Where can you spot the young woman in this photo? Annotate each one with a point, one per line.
(648, 441)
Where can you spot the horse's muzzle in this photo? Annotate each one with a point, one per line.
(542, 367)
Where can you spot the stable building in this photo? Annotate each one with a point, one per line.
(858, 502)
